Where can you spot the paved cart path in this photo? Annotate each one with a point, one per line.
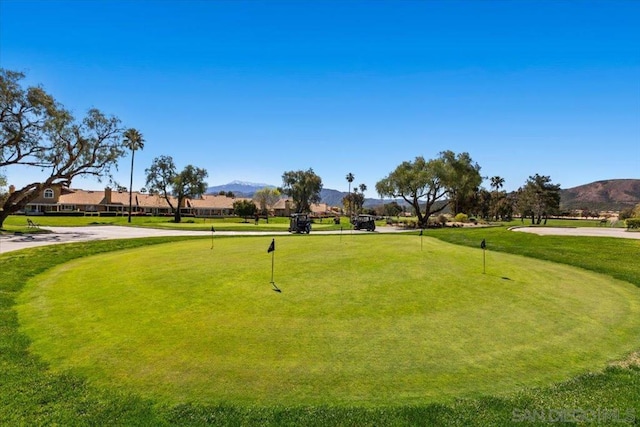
(57, 235)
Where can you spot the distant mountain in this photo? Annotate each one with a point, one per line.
(239, 188)
(332, 197)
(612, 194)
(327, 195)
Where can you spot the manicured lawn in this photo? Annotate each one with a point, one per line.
(19, 223)
(612, 256)
(32, 393)
(364, 321)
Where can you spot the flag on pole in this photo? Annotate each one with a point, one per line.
(421, 231)
(212, 230)
(483, 244)
(272, 249)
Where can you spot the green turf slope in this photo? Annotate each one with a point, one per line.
(361, 320)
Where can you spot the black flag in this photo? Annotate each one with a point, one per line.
(421, 231)
(483, 244)
(212, 229)
(272, 246)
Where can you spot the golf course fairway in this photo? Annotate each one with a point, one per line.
(362, 320)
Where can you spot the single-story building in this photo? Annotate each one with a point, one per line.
(63, 199)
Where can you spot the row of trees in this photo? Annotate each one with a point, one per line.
(453, 181)
(36, 131)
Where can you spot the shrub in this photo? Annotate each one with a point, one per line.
(632, 222)
(461, 217)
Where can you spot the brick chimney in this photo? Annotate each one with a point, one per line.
(12, 189)
(107, 195)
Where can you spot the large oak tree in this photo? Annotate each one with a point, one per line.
(164, 179)
(431, 183)
(36, 132)
(303, 187)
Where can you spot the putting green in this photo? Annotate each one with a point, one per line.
(361, 320)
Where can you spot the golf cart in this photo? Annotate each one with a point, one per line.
(300, 223)
(364, 222)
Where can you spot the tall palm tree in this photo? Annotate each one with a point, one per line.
(133, 140)
(350, 179)
(497, 182)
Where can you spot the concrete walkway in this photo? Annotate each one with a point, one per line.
(60, 235)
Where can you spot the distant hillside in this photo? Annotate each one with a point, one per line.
(612, 194)
(247, 189)
(239, 188)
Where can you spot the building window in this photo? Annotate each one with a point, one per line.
(48, 193)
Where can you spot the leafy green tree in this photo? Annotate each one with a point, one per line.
(430, 183)
(134, 141)
(244, 208)
(462, 180)
(303, 187)
(37, 132)
(392, 209)
(160, 177)
(630, 212)
(163, 179)
(500, 204)
(482, 204)
(538, 198)
(353, 202)
(266, 198)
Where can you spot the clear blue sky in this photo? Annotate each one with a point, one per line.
(251, 89)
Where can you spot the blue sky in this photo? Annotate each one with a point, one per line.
(251, 89)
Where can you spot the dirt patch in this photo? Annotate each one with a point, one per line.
(633, 360)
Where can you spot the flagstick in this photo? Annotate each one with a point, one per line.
(273, 283)
(484, 260)
(212, 230)
(272, 264)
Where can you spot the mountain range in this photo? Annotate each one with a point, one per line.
(606, 195)
(612, 194)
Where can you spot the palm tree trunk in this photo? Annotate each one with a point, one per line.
(133, 152)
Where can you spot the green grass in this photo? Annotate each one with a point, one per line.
(608, 255)
(360, 322)
(32, 393)
(19, 223)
